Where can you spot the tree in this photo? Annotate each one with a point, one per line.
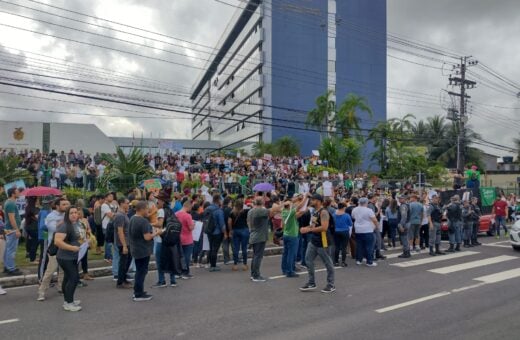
(286, 146)
(10, 171)
(346, 119)
(260, 148)
(124, 172)
(320, 117)
(341, 153)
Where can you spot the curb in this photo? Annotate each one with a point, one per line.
(32, 279)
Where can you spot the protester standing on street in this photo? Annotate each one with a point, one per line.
(258, 222)
(319, 229)
(500, 214)
(403, 217)
(67, 239)
(218, 230)
(366, 223)
(141, 236)
(467, 222)
(290, 239)
(121, 225)
(435, 220)
(476, 221)
(454, 214)
(341, 234)
(12, 232)
(415, 219)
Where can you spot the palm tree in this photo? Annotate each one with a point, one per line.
(124, 172)
(379, 137)
(286, 146)
(346, 119)
(341, 153)
(10, 171)
(320, 117)
(260, 148)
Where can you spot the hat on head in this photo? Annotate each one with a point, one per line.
(317, 197)
(474, 167)
(163, 196)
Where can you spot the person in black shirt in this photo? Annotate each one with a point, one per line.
(304, 219)
(352, 241)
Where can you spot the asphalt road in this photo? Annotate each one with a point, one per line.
(386, 302)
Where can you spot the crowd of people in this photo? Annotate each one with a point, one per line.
(331, 217)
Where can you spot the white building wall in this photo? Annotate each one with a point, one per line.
(21, 135)
(88, 138)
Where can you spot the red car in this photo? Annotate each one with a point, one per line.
(484, 227)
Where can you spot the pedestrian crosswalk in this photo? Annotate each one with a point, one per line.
(428, 260)
(472, 264)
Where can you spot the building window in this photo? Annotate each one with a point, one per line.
(260, 70)
(232, 95)
(260, 93)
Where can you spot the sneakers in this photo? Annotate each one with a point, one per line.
(114, 279)
(214, 269)
(15, 272)
(87, 277)
(173, 284)
(358, 263)
(41, 297)
(159, 285)
(308, 287)
(144, 297)
(3, 292)
(259, 279)
(245, 268)
(328, 289)
(291, 275)
(71, 307)
(234, 268)
(186, 276)
(373, 264)
(344, 264)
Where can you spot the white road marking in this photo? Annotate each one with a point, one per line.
(412, 302)
(9, 321)
(396, 255)
(501, 276)
(461, 289)
(497, 245)
(434, 259)
(472, 264)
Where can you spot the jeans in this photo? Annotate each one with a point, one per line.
(434, 236)
(467, 226)
(377, 242)
(141, 269)
(454, 235)
(70, 278)
(258, 255)
(32, 244)
(226, 243)
(84, 263)
(341, 240)
(188, 251)
(499, 221)
(108, 247)
(2, 251)
(365, 247)
(157, 246)
(240, 241)
(403, 237)
(424, 235)
(197, 249)
(290, 249)
(303, 247)
(392, 231)
(124, 264)
(474, 232)
(310, 256)
(115, 259)
(214, 245)
(11, 244)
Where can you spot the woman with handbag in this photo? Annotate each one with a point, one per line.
(67, 239)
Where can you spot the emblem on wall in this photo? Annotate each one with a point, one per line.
(18, 133)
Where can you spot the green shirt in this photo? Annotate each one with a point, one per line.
(10, 207)
(349, 184)
(243, 180)
(290, 223)
(469, 174)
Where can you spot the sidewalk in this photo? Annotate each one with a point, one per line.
(97, 268)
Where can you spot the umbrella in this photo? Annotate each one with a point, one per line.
(40, 191)
(263, 187)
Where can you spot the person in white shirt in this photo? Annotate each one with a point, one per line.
(365, 224)
(108, 210)
(327, 189)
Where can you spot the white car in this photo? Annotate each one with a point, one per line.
(515, 235)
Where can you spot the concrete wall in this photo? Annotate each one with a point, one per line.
(507, 180)
(29, 136)
(88, 138)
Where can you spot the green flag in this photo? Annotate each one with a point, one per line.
(488, 196)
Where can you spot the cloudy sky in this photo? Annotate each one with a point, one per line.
(487, 30)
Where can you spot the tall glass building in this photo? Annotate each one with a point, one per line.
(276, 57)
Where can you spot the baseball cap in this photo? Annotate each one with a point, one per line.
(317, 197)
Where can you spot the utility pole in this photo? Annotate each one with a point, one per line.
(460, 81)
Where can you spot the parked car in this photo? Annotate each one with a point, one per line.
(514, 235)
(485, 226)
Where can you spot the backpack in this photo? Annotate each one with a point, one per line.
(173, 227)
(454, 212)
(109, 236)
(98, 219)
(208, 221)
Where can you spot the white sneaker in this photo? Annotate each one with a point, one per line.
(2, 291)
(358, 263)
(41, 297)
(373, 264)
(77, 302)
(71, 307)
